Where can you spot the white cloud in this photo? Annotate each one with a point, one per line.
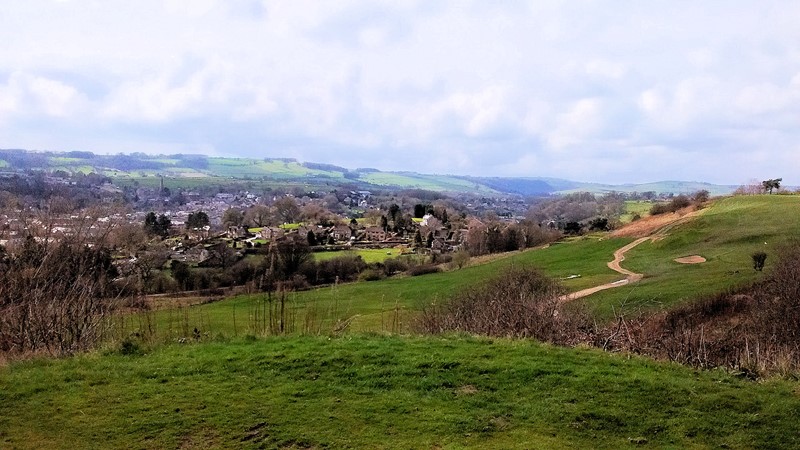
(763, 98)
(25, 95)
(482, 88)
(604, 68)
(579, 123)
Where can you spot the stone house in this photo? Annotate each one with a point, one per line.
(341, 233)
(375, 234)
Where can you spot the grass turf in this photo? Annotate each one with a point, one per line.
(385, 392)
(635, 207)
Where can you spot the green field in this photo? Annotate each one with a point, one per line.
(175, 182)
(420, 181)
(242, 167)
(369, 255)
(633, 207)
(386, 392)
(385, 305)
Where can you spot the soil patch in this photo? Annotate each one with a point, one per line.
(651, 225)
(693, 259)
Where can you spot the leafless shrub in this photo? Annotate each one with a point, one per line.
(54, 298)
(423, 269)
(519, 303)
(677, 203)
(754, 330)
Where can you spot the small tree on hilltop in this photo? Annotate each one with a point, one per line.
(771, 184)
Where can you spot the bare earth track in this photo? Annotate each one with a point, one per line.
(661, 224)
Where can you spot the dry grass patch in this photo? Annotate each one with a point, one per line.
(651, 224)
(467, 389)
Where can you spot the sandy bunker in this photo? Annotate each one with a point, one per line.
(693, 259)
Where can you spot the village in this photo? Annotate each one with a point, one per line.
(150, 230)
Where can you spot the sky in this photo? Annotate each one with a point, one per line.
(606, 91)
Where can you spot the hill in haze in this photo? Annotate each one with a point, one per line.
(190, 166)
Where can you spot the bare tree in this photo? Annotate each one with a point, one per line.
(260, 216)
(287, 209)
(232, 217)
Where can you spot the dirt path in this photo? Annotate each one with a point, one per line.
(630, 277)
(663, 227)
(619, 256)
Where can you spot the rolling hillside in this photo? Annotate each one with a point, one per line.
(189, 170)
(725, 233)
(353, 386)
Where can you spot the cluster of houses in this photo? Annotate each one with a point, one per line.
(15, 229)
(433, 236)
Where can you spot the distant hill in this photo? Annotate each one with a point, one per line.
(676, 187)
(191, 166)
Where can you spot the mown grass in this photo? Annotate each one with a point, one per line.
(385, 392)
(726, 234)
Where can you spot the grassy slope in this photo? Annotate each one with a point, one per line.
(173, 183)
(726, 235)
(386, 392)
(240, 167)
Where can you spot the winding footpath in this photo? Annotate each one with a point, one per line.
(619, 256)
(630, 277)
